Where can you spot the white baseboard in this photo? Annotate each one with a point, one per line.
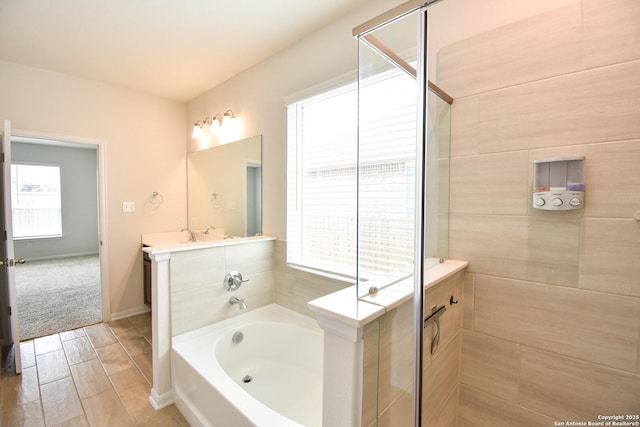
(160, 401)
(131, 312)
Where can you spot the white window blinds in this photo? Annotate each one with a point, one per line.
(322, 178)
(36, 200)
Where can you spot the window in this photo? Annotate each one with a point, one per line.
(324, 164)
(36, 200)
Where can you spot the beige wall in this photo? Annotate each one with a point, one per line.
(257, 96)
(552, 304)
(144, 140)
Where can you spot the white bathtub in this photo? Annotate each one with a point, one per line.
(281, 351)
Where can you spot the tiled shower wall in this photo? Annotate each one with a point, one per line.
(551, 327)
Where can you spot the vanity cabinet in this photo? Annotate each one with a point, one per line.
(147, 278)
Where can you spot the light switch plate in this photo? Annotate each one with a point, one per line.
(128, 207)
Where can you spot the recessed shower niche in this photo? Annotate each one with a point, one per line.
(558, 184)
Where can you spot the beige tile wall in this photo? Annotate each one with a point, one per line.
(198, 297)
(295, 288)
(552, 299)
(388, 346)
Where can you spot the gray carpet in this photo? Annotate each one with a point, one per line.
(58, 295)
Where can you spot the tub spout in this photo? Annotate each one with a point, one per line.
(237, 300)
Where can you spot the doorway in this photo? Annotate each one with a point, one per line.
(56, 229)
(254, 199)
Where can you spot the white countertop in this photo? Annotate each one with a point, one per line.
(345, 308)
(178, 241)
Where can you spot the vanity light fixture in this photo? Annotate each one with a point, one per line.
(228, 116)
(197, 129)
(213, 125)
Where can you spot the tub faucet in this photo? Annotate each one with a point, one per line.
(208, 229)
(237, 300)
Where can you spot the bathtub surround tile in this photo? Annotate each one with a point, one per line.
(90, 378)
(250, 259)
(543, 249)
(197, 307)
(478, 409)
(529, 50)
(106, 410)
(490, 184)
(78, 350)
(609, 260)
(490, 364)
(60, 401)
(193, 269)
(555, 385)
(52, 366)
(295, 287)
(592, 326)
(100, 335)
(611, 32)
(197, 293)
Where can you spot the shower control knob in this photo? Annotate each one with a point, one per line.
(540, 201)
(575, 201)
(233, 280)
(556, 202)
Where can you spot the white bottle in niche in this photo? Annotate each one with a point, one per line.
(558, 184)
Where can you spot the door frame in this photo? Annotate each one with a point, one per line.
(102, 203)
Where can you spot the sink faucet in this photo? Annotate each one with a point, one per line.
(192, 237)
(237, 300)
(207, 230)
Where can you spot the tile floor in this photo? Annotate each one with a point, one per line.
(99, 375)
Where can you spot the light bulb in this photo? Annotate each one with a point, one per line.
(197, 130)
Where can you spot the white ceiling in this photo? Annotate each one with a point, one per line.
(177, 49)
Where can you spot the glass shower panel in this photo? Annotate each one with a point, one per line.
(436, 228)
(403, 209)
(390, 171)
(387, 132)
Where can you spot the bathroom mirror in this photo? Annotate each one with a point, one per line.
(224, 188)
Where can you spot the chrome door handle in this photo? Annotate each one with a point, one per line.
(12, 262)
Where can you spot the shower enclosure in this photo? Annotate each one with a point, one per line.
(403, 151)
